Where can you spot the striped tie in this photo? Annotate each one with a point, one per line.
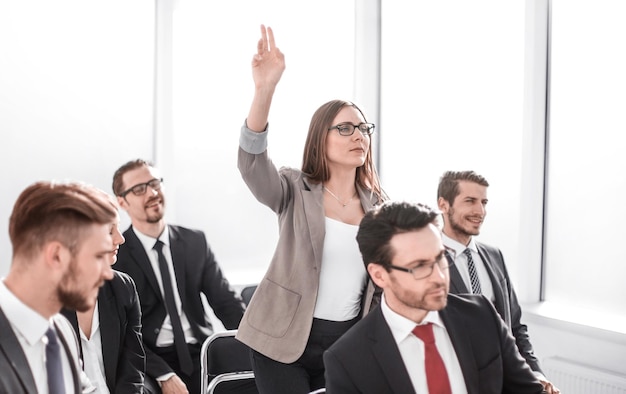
(472, 272)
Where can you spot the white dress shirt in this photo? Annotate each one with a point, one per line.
(93, 363)
(460, 260)
(413, 352)
(166, 335)
(30, 329)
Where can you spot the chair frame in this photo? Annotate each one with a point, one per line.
(208, 387)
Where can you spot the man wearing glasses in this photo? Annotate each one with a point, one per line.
(421, 339)
(171, 266)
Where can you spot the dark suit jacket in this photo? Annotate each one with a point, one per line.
(120, 332)
(367, 360)
(197, 273)
(505, 299)
(15, 374)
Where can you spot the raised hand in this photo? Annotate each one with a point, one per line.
(268, 63)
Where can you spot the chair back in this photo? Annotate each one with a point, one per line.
(247, 292)
(226, 365)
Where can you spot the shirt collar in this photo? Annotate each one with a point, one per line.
(148, 242)
(458, 247)
(32, 326)
(400, 326)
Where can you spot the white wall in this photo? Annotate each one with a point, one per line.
(76, 93)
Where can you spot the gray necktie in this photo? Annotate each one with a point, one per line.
(472, 272)
(54, 366)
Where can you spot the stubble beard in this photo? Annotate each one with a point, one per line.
(457, 228)
(408, 299)
(69, 297)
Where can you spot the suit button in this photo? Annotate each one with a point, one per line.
(156, 331)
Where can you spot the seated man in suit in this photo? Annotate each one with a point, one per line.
(172, 267)
(479, 268)
(420, 339)
(109, 334)
(61, 238)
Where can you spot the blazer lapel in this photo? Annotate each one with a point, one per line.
(12, 350)
(179, 259)
(70, 356)
(314, 212)
(109, 332)
(140, 257)
(462, 344)
(386, 351)
(457, 286)
(73, 319)
(498, 289)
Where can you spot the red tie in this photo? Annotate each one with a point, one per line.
(436, 375)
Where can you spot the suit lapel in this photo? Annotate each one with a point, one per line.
(138, 253)
(386, 352)
(179, 258)
(314, 212)
(462, 344)
(498, 291)
(73, 319)
(70, 356)
(457, 286)
(10, 346)
(109, 331)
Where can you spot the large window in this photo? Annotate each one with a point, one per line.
(585, 265)
(76, 93)
(212, 84)
(452, 87)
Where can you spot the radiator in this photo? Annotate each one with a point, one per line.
(574, 378)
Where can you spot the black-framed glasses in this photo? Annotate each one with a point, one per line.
(424, 270)
(347, 129)
(140, 189)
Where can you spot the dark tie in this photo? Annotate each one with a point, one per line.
(436, 374)
(182, 351)
(54, 367)
(472, 272)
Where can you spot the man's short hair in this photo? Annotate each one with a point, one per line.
(386, 220)
(449, 183)
(57, 211)
(118, 182)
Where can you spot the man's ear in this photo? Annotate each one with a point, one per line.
(378, 274)
(443, 204)
(56, 255)
(121, 201)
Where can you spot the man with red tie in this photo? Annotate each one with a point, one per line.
(422, 339)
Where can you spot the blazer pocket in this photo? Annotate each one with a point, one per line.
(273, 309)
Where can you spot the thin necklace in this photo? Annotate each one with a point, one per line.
(343, 205)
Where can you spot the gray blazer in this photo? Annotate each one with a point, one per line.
(16, 376)
(277, 322)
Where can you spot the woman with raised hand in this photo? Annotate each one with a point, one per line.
(316, 286)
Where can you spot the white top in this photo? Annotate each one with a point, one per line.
(413, 353)
(342, 276)
(30, 329)
(460, 260)
(93, 363)
(166, 335)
